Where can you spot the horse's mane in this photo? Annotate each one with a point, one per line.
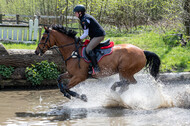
(60, 28)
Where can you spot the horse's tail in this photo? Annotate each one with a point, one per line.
(153, 63)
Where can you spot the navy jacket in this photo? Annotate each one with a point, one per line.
(95, 29)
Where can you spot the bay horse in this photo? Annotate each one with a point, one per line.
(126, 59)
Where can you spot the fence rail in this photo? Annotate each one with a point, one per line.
(60, 18)
(19, 32)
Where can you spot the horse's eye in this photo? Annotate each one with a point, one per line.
(43, 38)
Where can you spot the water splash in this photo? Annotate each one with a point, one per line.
(146, 94)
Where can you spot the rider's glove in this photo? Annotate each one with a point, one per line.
(78, 40)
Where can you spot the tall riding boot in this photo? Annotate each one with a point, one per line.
(92, 57)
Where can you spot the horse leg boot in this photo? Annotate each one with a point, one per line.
(122, 84)
(92, 57)
(68, 93)
(74, 94)
(115, 85)
(63, 88)
(74, 81)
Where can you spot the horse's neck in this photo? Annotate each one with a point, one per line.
(66, 47)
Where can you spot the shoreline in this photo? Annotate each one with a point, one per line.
(49, 84)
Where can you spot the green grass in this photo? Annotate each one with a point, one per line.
(174, 57)
(20, 46)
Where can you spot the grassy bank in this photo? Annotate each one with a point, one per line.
(174, 57)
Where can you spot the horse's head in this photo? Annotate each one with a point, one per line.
(58, 36)
(46, 42)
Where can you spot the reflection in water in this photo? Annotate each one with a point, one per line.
(146, 103)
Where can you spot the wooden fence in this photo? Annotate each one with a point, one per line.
(60, 19)
(20, 32)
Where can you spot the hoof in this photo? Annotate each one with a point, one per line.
(83, 98)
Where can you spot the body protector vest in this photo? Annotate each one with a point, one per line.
(95, 29)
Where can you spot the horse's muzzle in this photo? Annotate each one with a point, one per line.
(36, 52)
(39, 53)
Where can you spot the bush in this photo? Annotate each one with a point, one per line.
(6, 71)
(171, 40)
(115, 33)
(43, 70)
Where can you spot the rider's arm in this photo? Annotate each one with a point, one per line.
(86, 29)
(85, 34)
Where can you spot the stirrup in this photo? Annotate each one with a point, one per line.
(96, 69)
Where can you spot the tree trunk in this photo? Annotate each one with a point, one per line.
(22, 58)
(187, 17)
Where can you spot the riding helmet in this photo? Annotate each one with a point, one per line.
(79, 8)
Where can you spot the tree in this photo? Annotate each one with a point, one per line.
(187, 16)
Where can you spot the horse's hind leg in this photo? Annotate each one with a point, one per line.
(123, 83)
(128, 80)
(116, 84)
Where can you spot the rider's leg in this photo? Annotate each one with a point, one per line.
(93, 43)
(89, 50)
(92, 57)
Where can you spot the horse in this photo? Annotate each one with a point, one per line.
(125, 60)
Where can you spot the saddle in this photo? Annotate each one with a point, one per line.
(103, 49)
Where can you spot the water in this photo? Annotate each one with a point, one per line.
(145, 103)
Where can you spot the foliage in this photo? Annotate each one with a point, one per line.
(115, 33)
(174, 58)
(41, 71)
(171, 39)
(6, 71)
(121, 13)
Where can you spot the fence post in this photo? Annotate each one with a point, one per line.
(17, 19)
(61, 20)
(35, 29)
(1, 17)
(38, 19)
(30, 29)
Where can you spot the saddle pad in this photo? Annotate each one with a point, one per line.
(100, 53)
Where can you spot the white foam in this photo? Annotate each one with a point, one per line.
(146, 94)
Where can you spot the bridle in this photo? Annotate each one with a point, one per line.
(75, 52)
(45, 43)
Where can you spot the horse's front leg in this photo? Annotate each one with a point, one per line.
(62, 84)
(65, 86)
(74, 94)
(74, 81)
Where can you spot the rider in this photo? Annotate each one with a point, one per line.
(92, 29)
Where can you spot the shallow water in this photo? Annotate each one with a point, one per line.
(145, 103)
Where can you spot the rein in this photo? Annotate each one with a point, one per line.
(75, 53)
